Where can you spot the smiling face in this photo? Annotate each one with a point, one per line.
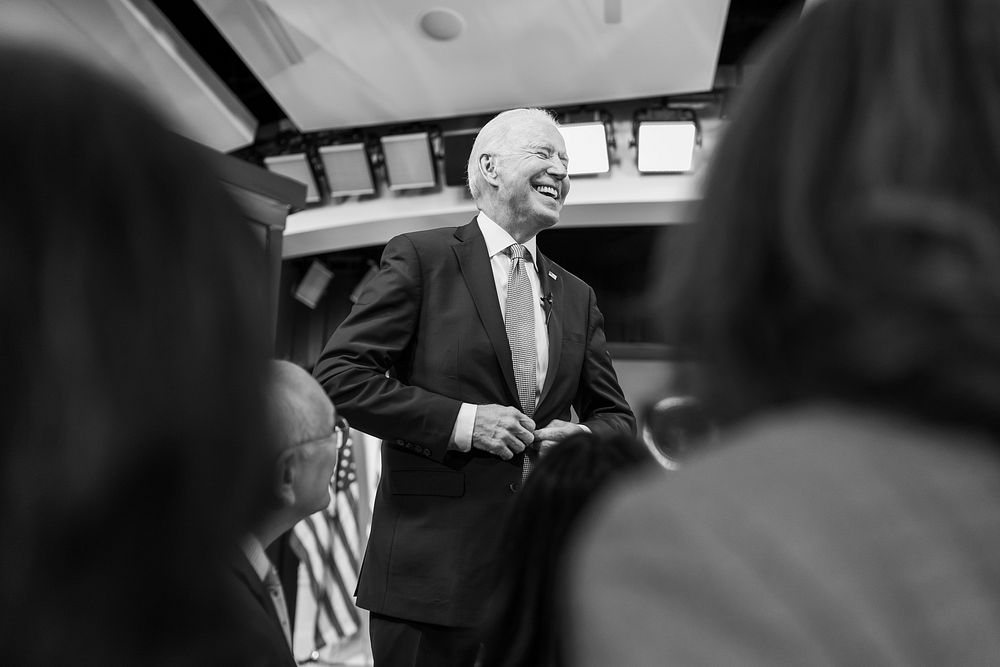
(530, 176)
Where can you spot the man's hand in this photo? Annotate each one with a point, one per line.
(555, 432)
(501, 430)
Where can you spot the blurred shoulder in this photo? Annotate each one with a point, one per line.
(811, 461)
(739, 547)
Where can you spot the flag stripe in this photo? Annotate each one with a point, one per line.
(323, 606)
(320, 589)
(329, 546)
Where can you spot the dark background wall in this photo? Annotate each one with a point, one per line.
(617, 262)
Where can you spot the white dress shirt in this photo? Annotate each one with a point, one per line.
(497, 240)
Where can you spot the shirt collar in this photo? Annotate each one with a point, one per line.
(497, 239)
(255, 553)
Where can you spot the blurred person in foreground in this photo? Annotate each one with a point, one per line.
(844, 286)
(526, 613)
(305, 459)
(132, 428)
(466, 353)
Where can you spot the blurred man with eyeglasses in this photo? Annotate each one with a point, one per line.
(307, 434)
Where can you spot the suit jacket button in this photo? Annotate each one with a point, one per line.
(427, 452)
(514, 487)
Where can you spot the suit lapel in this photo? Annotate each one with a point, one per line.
(246, 572)
(552, 293)
(478, 275)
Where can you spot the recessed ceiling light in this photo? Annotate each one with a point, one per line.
(442, 23)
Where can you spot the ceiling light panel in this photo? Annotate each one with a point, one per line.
(409, 162)
(348, 171)
(587, 147)
(296, 167)
(666, 146)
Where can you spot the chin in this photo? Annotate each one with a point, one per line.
(549, 209)
(550, 219)
(322, 505)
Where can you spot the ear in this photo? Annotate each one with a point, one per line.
(488, 168)
(285, 475)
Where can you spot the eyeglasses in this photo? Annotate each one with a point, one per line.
(341, 432)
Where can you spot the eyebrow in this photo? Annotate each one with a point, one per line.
(550, 148)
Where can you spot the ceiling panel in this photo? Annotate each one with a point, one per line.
(353, 63)
(132, 39)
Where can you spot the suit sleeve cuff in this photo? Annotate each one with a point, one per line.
(461, 434)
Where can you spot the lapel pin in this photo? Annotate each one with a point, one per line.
(553, 276)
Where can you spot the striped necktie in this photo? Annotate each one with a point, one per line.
(519, 315)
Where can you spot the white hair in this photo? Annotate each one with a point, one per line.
(495, 137)
(298, 404)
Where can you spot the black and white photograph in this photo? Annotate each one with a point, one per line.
(524, 333)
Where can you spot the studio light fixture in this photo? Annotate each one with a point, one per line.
(313, 284)
(589, 139)
(665, 140)
(409, 161)
(295, 166)
(348, 169)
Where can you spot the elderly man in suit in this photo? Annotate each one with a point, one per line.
(465, 353)
(308, 439)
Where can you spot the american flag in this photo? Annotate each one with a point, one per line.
(328, 544)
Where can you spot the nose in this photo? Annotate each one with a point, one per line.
(557, 168)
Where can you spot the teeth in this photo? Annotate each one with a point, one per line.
(547, 190)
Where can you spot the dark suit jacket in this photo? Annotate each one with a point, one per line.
(431, 317)
(257, 617)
